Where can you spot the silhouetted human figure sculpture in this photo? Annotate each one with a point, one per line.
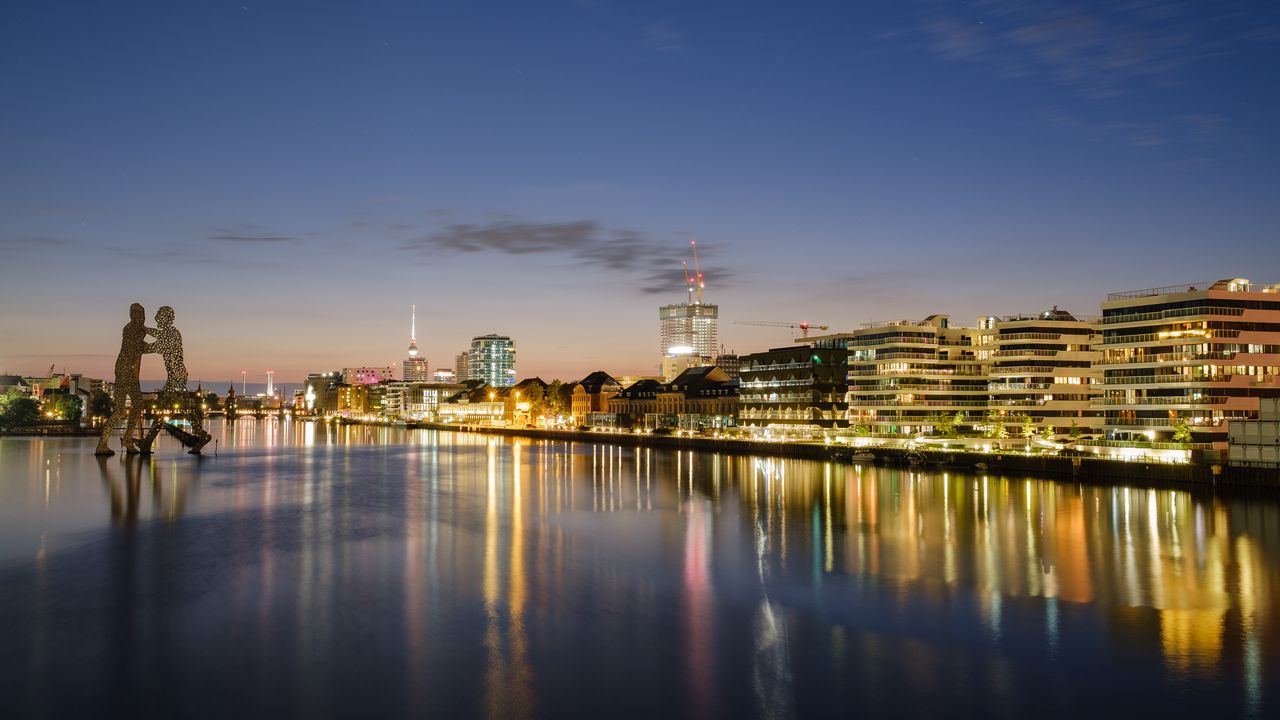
(168, 343)
(133, 344)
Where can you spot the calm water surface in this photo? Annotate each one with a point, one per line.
(312, 571)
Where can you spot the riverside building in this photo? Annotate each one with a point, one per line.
(492, 358)
(904, 375)
(1044, 366)
(1187, 360)
(368, 375)
(796, 389)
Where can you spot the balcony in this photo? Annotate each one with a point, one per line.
(1167, 314)
(897, 356)
(751, 384)
(1175, 336)
(1029, 336)
(1152, 292)
(853, 404)
(910, 371)
(898, 340)
(1018, 403)
(1158, 422)
(777, 366)
(1027, 370)
(1167, 358)
(1166, 379)
(777, 399)
(1164, 400)
(892, 385)
(1033, 353)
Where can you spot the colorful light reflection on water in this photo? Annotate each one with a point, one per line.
(315, 570)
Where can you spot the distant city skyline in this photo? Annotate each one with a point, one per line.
(292, 178)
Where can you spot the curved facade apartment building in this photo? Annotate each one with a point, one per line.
(1189, 356)
(903, 375)
(1044, 366)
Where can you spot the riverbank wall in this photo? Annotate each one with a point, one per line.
(1083, 469)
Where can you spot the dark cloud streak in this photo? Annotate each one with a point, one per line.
(32, 242)
(655, 266)
(237, 238)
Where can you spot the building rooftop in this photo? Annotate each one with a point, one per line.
(1230, 285)
(596, 381)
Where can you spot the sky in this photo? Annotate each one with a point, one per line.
(291, 176)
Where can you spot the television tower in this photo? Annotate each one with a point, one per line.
(413, 331)
(415, 368)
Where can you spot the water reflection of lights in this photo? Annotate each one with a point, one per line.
(771, 677)
(1188, 578)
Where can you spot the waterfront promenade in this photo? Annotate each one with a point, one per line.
(1083, 467)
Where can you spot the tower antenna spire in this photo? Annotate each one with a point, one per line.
(413, 331)
(697, 269)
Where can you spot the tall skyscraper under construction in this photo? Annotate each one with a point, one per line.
(690, 327)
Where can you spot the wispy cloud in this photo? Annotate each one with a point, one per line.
(954, 38)
(1098, 51)
(1183, 130)
(32, 242)
(663, 39)
(244, 238)
(654, 267)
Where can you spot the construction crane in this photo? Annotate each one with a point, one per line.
(697, 270)
(803, 326)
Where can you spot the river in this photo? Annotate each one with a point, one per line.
(309, 570)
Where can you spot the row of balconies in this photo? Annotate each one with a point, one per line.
(778, 399)
(1166, 400)
(1033, 353)
(908, 340)
(1173, 313)
(1028, 336)
(1173, 335)
(776, 366)
(1174, 357)
(997, 387)
(908, 371)
(744, 384)
(1165, 379)
(896, 356)
(918, 403)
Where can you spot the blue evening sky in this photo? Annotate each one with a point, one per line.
(291, 176)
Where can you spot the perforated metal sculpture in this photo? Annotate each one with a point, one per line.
(127, 388)
(168, 343)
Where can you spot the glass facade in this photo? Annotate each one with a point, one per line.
(492, 358)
